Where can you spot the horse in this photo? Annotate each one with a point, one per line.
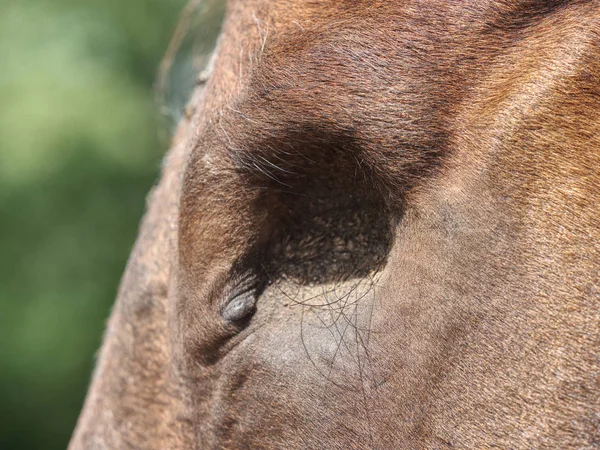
(377, 227)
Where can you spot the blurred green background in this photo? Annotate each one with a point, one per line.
(81, 142)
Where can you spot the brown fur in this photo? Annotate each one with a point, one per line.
(403, 198)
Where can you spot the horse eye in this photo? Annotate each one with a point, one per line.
(240, 306)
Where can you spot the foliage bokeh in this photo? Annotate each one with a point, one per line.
(80, 147)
